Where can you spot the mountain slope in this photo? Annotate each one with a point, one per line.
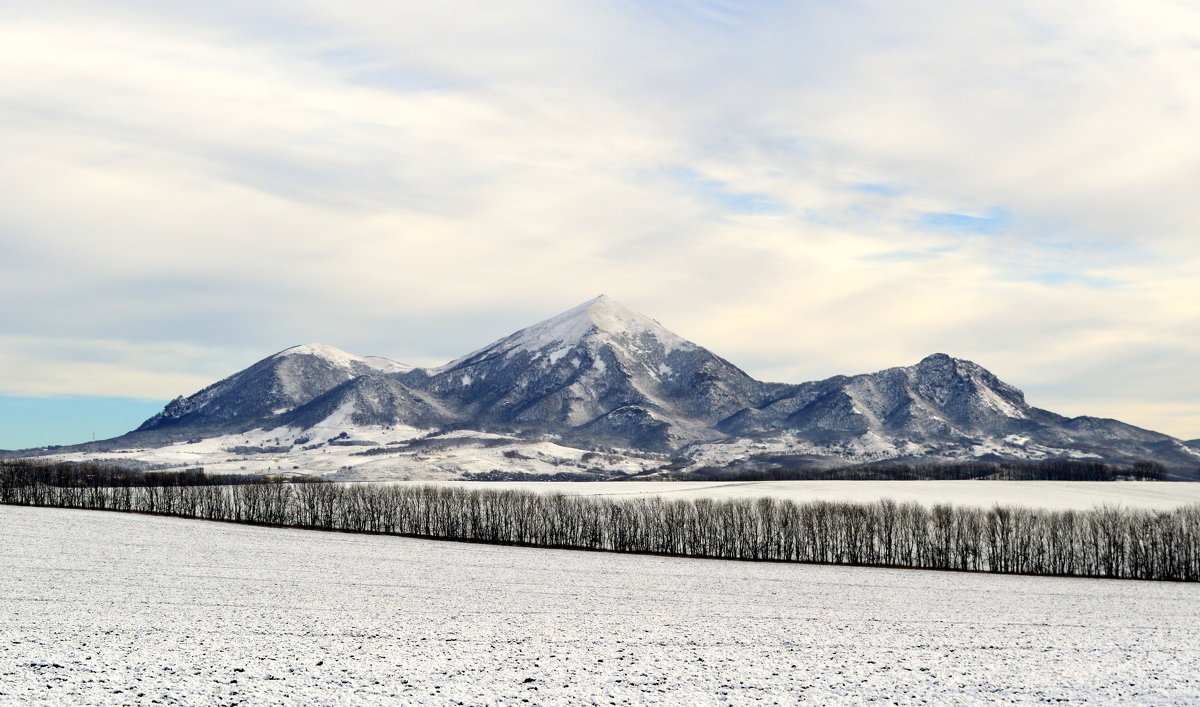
(1113, 440)
(940, 396)
(270, 387)
(366, 401)
(941, 408)
(598, 371)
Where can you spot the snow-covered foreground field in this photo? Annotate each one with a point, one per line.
(110, 608)
(1080, 495)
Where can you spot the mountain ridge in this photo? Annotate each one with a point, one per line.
(600, 376)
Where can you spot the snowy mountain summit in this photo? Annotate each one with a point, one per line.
(273, 386)
(602, 389)
(597, 372)
(341, 359)
(599, 320)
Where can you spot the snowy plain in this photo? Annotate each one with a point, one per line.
(106, 608)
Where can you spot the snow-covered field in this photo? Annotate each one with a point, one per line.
(109, 608)
(1079, 495)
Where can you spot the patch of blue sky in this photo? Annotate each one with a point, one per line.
(993, 223)
(1067, 278)
(722, 196)
(38, 422)
(877, 189)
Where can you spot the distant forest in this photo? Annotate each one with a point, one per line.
(1050, 470)
(1101, 542)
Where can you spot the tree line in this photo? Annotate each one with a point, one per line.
(1047, 470)
(1101, 542)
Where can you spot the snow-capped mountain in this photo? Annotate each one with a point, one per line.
(940, 396)
(275, 385)
(602, 390)
(597, 372)
(940, 408)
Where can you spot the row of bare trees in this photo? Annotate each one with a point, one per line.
(1045, 470)
(1101, 542)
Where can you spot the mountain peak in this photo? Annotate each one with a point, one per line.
(600, 305)
(945, 363)
(319, 349)
(603, 315)
(571, 373)
(937, 358)
(600, 317)
(601, 299)
(343, 359)
(942, 377)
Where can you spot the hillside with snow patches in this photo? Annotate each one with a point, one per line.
(600, 391)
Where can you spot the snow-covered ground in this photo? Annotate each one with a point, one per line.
(107, 608)
(873, 447)
(1031, 494)
(337, 449)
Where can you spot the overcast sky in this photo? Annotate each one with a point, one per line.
(805, 188)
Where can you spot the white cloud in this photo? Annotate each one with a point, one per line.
(36, 367)
(413, 180)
